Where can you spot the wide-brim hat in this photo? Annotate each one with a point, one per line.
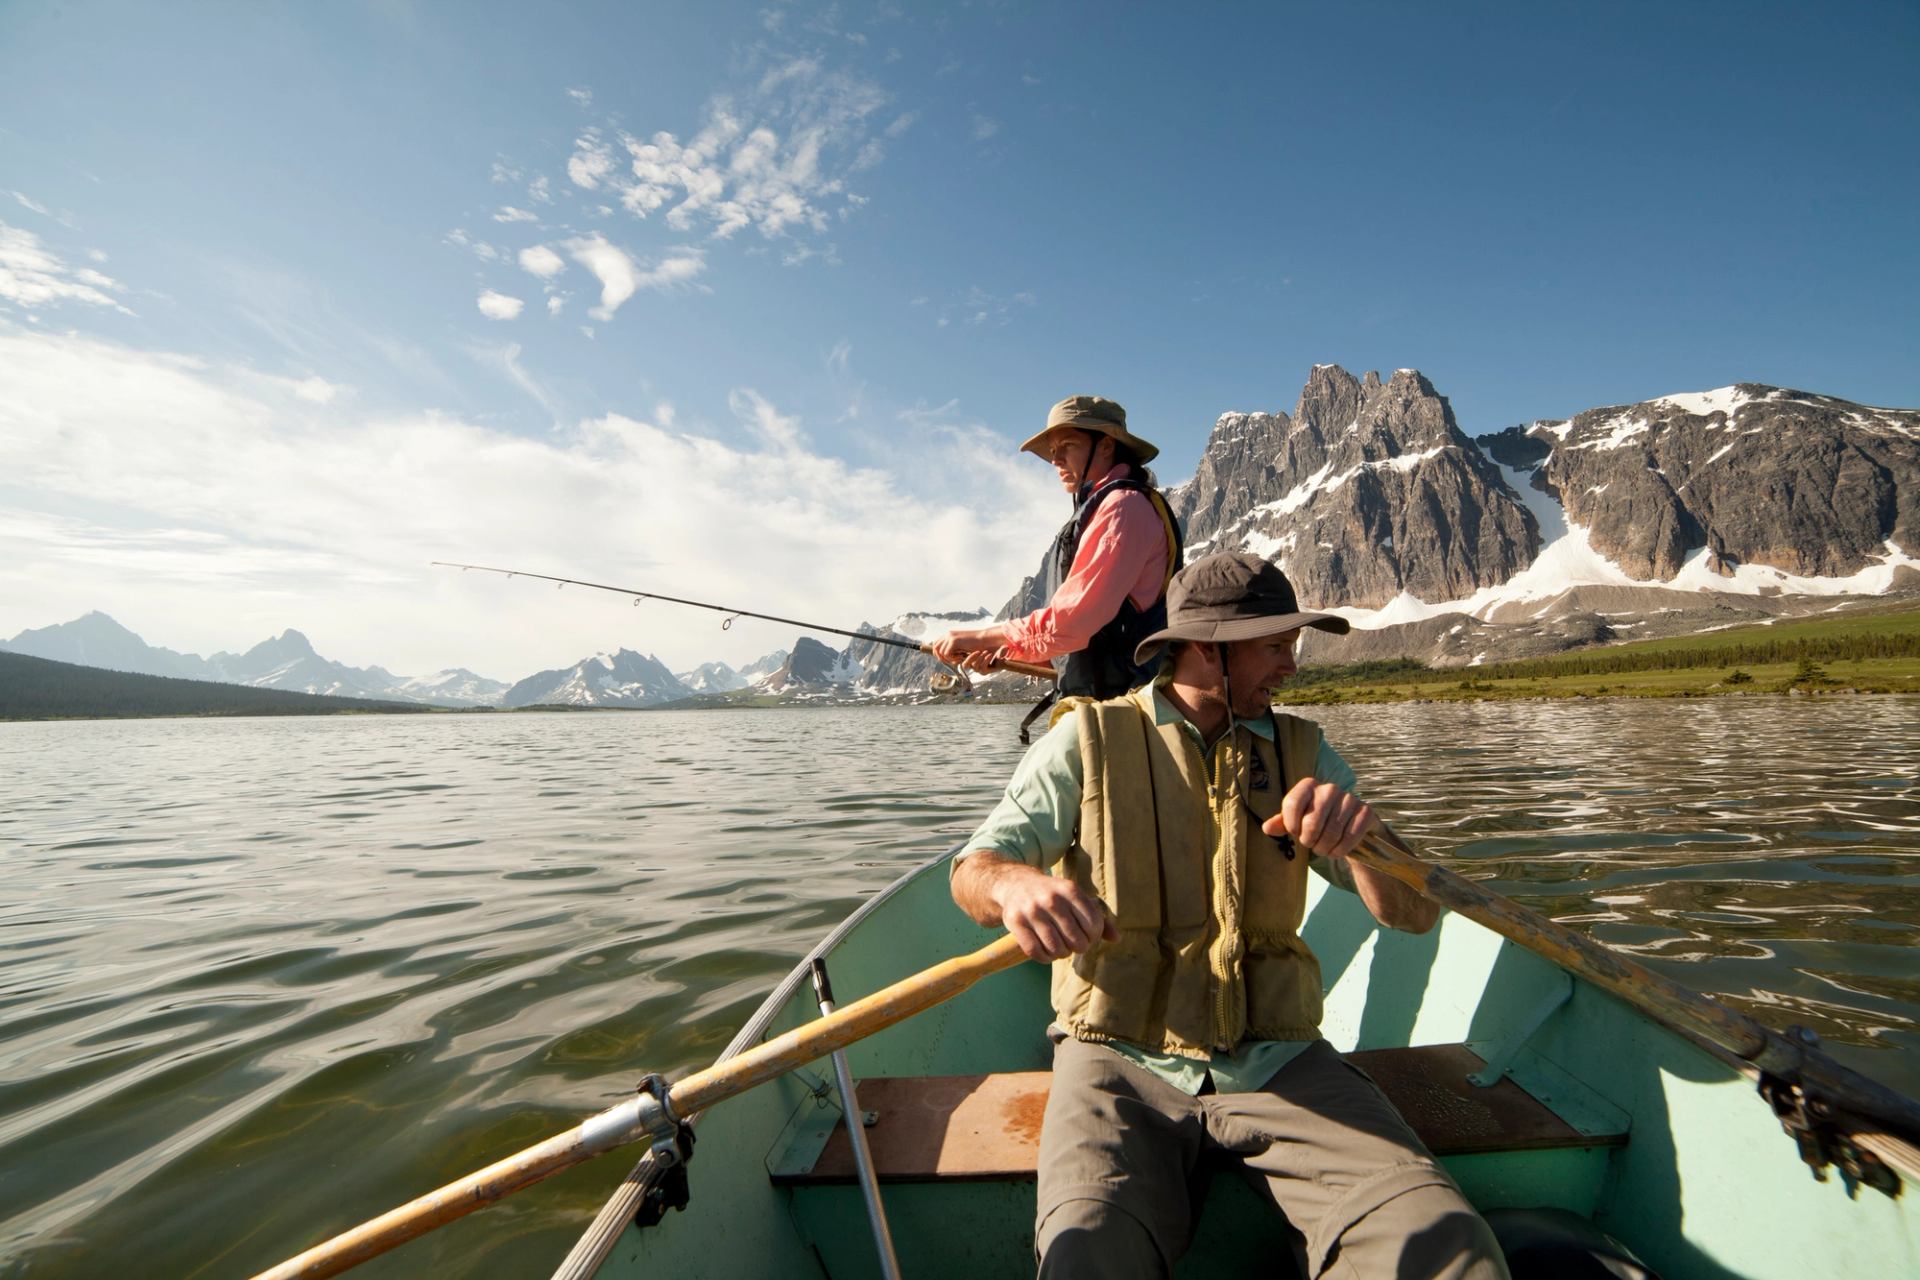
(1232, 595)
(1091, 413)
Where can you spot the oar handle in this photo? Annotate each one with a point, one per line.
(1667, 1002)
(1038, 670)
(619, 1125)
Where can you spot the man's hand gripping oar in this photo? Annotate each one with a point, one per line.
(647, 1116)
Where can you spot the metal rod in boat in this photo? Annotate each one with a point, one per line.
(1885, 1122)
(857, 1136)
(618, 1126)
(1038, 670)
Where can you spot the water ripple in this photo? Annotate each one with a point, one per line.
(255, 954)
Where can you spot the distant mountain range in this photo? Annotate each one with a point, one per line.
(286, 661)
(1671, 516)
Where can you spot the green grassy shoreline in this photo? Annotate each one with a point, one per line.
(1860, 651)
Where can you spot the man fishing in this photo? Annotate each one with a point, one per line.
(1155, 847)
(1106, 575)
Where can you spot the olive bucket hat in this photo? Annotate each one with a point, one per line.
(1091, 413)
(1232, 595)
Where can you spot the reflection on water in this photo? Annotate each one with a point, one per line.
(261, 979)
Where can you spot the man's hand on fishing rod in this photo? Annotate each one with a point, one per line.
(957, 645)
(985, 661)
(1051, 917)
(1330, 821)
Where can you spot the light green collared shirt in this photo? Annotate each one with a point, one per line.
(1034, 823)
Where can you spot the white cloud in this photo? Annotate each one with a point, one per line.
(984, 127)
(504, 172)
(542, 261)
(207, 517)
(28, 202)
(556, 302)
(621, 277)
(540, 190)
(581, 97)
(499, 306)
(774, 157)
(31, 275)
(316, 390)
(838, 357)
(509, 213)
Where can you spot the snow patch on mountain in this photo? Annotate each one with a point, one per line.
(1701, 404)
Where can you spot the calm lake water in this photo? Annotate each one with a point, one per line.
(261, 979)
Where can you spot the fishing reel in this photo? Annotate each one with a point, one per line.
(951, 681)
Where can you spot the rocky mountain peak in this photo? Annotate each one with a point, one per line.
(1331, 399)
(288, 646)
(620, 679)
(1810, 485)
(811, 664)
(1368, 491)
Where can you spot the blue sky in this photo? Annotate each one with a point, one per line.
(758, 300)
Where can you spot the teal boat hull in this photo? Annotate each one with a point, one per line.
(1706, 1185)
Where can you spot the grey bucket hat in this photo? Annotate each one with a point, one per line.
(1091, 413)
(1231, 595)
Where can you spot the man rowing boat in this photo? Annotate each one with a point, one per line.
(1155, 847)
(1108, 569)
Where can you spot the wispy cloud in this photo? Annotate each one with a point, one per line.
(508, 213)
(33, 276)
(775, 156)
(207, 516)
(591, 161)
(976, 306)
(505, 360)
(499, 306)
(984, 127)
(838, 357)
(480, 249)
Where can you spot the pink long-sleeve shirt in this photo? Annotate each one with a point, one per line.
(1122, 556)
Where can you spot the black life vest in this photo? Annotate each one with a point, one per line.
(1105, 668)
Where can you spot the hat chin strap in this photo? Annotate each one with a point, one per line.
(1226, 684)
(1080, 485)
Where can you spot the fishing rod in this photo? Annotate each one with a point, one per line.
(959, 678)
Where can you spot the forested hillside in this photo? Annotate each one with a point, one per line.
(39, 689)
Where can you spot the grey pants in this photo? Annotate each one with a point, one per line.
(1120, 1147)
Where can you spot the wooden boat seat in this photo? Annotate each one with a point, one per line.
(987, 1127)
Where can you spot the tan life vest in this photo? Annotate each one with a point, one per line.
(1208, 906)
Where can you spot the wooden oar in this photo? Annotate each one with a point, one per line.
(619, 1125)
(1703, 1020)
